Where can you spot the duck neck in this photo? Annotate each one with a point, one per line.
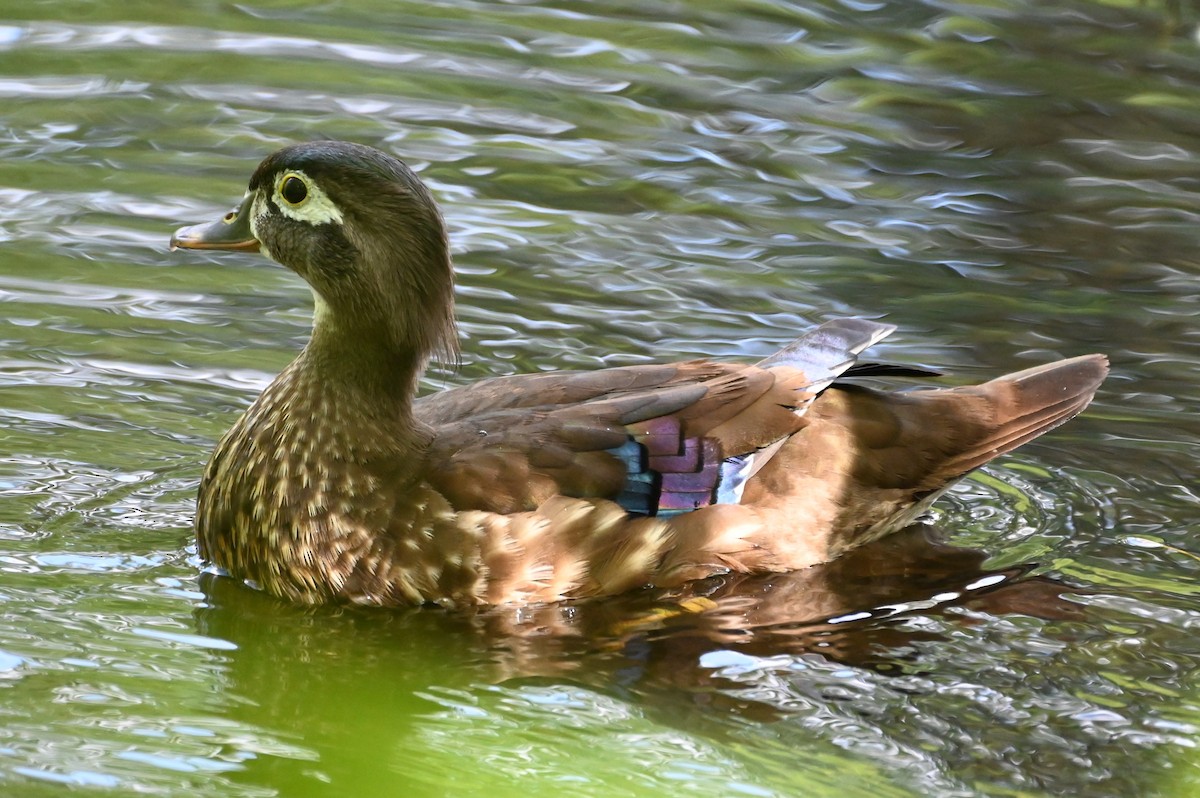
(369, 373)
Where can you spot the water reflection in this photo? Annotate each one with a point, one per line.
(753, 646)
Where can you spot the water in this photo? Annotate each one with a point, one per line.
(625, 182)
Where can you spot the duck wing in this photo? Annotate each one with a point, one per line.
(657, 440)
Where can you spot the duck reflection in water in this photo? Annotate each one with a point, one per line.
(858, 610)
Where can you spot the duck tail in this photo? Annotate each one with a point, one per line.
(1026, 404)
(968, 426)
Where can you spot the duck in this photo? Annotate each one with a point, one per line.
(339, 484)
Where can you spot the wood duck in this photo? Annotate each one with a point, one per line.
(338, 484)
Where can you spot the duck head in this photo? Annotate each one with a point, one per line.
(365, 233)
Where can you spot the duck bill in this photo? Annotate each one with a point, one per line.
(231, 232)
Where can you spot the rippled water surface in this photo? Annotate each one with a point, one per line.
(625, 182)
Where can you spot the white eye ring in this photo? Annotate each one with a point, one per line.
(313, 207)
(292, 189)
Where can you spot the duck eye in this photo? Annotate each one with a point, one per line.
(293, 190)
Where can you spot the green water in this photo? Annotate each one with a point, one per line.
(625, 182)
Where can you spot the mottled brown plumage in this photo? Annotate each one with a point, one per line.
(338, 485)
